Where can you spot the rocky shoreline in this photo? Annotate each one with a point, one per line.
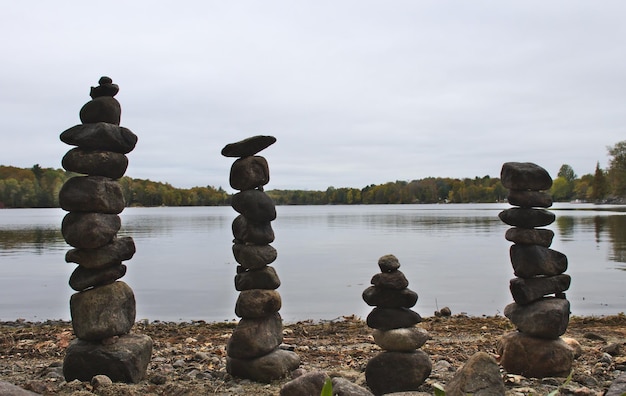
(190, 358)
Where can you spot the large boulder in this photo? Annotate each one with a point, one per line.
(479, 376)
(390, 372)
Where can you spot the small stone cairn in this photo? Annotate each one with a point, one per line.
(540, 311)
(401, 366)
(254, 349)
(103, 309)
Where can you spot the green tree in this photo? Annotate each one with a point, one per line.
(567, 173)
(561, 189)
(617, 169)
(600, 187)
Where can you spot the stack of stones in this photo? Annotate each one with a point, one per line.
(254, 349)
(540, 311)
(103, 309)
(401, 366)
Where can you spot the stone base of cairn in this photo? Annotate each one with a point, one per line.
(254, 349)
(401, 366)
(103, 309)
(540, 311)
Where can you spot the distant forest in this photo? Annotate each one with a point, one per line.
(39, 187)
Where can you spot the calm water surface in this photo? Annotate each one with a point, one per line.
(452, 255)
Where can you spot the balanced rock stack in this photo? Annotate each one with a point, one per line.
(401, 366)
(540, 311)
(254, 349)
(103, 309)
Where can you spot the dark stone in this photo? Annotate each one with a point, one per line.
(525, 176)
(267, 368)
(124, 361)
(618, 386)
(100, 136)
(533, 260)
(528, 199)
(264, 278)
(95, 162)
(120, 249)
(390, 372)
(404, 339)
(106, 88)
(255, 205)
(89, 230)
(254, 256)
(255, 337)
(83, 278)
(530, 236)
(343, 387)
(545, 318)
(257, 303)
(92, 194)
(527, 217)
(306, 384)
(479, 376)
(525, 291)
(248, 147)
(392, 318)
(389, 298)
(101, 109)
(103, 312)
(534, 357)
(249, 173)
(246, 231)
(388, 263)
(390, 280)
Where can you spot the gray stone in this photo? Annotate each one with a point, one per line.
(100, 136)
(479, 376)
(390, 280)
(124, 361)
(528, 199)
(255, 205)
(257, 303)
(248, 147)
(390, 372)
(545, 318)
(527, 217)
(392, 318)
(388, 263)
(618, 386)
(92, 194)
(89, 230)
(103, 312)
(8, 389)
(254, 256)
(248, 232)
(530, 236)
(389, 298)
(100, 381)
(525, 291)
(84, 278)
(256, 337)
(95, 162)
(264, 278)
(306, 384)
(343, 387)
(532, 260)
(249, 173)
(101, 109)
(524, 176)
(274, 365)
(401, 340)
(534, 357)
(113, 253)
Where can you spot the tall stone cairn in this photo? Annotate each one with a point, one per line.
(402, 366)
(103, 309)
(254, 350)
(540, 311)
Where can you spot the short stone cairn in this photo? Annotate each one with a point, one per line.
(103, 309)
(254, 350)
(401, 366)
(540, 311)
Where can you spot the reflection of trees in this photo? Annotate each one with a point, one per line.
(565, 224)
(36, 239)
(617, 235)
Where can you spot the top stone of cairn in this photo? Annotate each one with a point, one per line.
(525, 176)
(248, 147)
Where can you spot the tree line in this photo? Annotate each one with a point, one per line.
(39, 187)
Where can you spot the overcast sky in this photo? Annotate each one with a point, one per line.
(356, 92)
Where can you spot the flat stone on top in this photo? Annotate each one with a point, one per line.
(525, 176)
(248, 147)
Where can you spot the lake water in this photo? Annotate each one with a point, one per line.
(453, 255)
